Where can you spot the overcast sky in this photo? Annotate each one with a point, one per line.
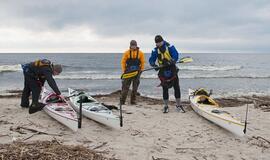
(108, 25)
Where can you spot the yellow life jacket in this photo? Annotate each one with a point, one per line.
(161, 56)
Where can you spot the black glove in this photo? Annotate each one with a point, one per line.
(155, 66)
(172, 62)
(169, 62)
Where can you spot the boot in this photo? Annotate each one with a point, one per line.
(165, 109)
(180, 109)
(133, 98)
(36, 107)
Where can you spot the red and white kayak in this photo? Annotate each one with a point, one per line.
(59, 109)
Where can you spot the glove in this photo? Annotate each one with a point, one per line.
(155, 66)
(169, 62)
(172, 62)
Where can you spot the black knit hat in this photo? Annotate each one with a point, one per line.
(133, 43)
(158, 38)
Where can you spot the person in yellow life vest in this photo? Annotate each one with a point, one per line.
(35, 75)
(132, 63)
(166, 55)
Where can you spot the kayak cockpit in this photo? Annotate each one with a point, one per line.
(206, 101)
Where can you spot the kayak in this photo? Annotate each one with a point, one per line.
(59, 109)
(205, 106)
(93, 109)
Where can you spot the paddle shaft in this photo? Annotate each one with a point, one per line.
(158, 67)
(245, 129)
(121, 117)
(80, 114)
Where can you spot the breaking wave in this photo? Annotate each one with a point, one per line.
(10, 68)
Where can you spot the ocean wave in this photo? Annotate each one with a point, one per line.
(223, 76)
(82, 72)
(154, 76)
(210, 68)
(10, 68)
(88, 77)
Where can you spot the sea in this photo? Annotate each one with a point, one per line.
(227, 74)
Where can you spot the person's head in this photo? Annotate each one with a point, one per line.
(159, 41)
(133, 45)
(57, 69)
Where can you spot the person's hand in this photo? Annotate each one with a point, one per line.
(169, 62)
(172, 62)
(63, 97)
(155, 66)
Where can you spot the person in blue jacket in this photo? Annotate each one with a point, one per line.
(35, 74)
(166, 55)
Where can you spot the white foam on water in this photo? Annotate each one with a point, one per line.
(104, 76)
(210, 68)
(10, 68)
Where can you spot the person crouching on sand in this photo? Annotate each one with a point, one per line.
(132, 62)
(35, 75)
(167, 56)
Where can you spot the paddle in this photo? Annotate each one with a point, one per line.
(80, 114)
(129, 74)
(245, 129)
(121, 117)
(182, 60)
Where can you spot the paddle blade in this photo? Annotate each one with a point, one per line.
(129, 75)
(186, 60)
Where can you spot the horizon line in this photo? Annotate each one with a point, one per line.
(121, 52)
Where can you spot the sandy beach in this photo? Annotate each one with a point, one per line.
(148, 134)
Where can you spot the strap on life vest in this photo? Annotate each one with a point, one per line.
(130, 55)
(161, 56)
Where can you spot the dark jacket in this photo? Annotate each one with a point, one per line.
(41, 74)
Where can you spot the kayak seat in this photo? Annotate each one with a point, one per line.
(54, 99)
(205, 100)
(63, 109)
(95, 109)
(85, 99)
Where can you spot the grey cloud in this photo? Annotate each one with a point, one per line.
(176, 18)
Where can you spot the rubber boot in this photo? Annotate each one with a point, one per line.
(133, 98)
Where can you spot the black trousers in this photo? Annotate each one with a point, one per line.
(176, 87)
(30, 85)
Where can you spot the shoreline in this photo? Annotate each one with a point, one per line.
(223, 101)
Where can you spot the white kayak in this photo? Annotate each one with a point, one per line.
(92, 109)
(209, 109)
(59, 109)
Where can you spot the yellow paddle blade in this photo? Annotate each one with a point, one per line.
(129, 75)
(186, 60)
